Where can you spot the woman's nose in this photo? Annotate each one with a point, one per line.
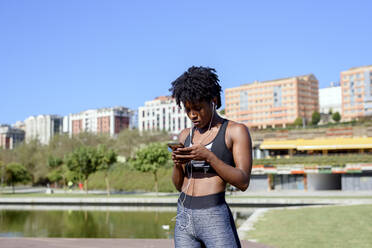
(193, 115)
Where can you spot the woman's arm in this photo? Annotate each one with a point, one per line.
(241, 144)
(179, 165)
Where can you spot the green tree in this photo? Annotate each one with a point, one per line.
(315, 118)
(2, 172)
(32, 155)
(107, 157)
(86, 160)
(222, 112)
(150, 158)
(298, 122)
(7, 156)
(61, 145)
(129, 140)
(60, 171)
(16, 173)
(336, 116)
(83, 161)
(55, 175)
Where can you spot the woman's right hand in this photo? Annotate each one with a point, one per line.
(178, 161)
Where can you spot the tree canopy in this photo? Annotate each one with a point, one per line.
(336, 116)
(16, 173)
(86, 160)
(298, 122)
(150, 158)
(315, 118)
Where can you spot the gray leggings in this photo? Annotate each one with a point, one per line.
(205, 221)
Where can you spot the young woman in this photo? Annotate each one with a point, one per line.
(216, 151)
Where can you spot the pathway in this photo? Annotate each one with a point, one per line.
(97, 243)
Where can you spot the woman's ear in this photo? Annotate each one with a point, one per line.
(214, 100)
(214, 106)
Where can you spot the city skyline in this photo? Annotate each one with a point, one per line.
(67, 57)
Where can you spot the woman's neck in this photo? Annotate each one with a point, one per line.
(216, 119)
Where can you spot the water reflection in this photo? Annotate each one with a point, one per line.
(91, 221)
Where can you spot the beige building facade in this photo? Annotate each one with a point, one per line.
(274, 103)
(356, 85)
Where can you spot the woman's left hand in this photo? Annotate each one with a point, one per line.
(195, 152)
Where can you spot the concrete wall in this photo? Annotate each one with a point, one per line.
(323, 181)
(258, 183)
(358, 181)
(348, 182)
(348, 131)
(289, 182)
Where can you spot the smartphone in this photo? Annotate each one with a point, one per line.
(174, 145)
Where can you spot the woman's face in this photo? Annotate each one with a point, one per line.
(199, 113)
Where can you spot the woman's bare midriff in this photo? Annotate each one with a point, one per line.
(202, 184)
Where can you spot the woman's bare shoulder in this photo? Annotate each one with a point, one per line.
(236, 126)
(236, 129)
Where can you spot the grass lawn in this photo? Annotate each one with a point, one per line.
(306, 197)
(340, 226)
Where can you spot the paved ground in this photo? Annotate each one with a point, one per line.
(264, 199)
(96, 243)
(275, 193)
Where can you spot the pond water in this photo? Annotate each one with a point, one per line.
(92, 222)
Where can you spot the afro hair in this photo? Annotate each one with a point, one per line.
(195, 85)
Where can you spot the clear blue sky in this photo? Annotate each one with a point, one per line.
(61, 57)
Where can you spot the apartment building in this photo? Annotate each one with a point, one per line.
(66, 124)
(330, 99)
(43, 127)
(133, 124)
(356, 85)
(100, 121)
(273, 103)
(20, 125)
(162, 113)
(10, 136)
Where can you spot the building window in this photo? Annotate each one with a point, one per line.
(244, 101)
